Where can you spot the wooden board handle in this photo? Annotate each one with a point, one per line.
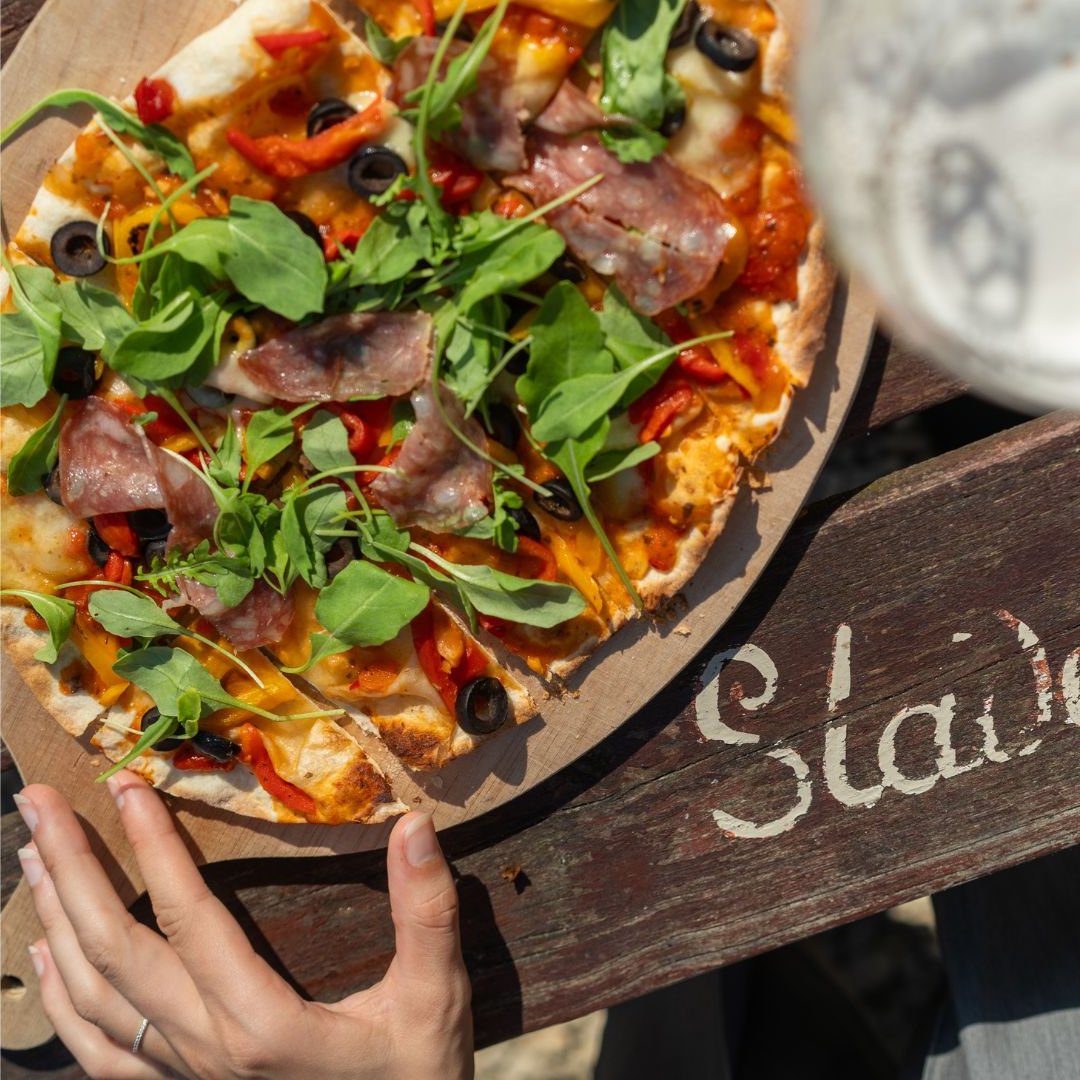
(25, 1024)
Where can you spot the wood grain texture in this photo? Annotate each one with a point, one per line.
(627, 884)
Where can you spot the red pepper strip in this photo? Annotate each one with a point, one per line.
(276, 44)
(364, 420)
(752, 348)
(473, 663)
(696, 361)
(532, 549)
(431, 661)
(427, 15)
(117, 569)
(118, 534)
(288, 159)
(456, 178)
(155, 100)
(188, 758)
(660, 406)
(254, 754)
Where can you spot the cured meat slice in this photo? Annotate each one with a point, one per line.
(363, 354)
(107, 464)
(658, 231)
(188, 503)
(438, 482)
(490, 133)
(261, 618)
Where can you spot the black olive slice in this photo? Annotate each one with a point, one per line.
(149, 524)
(76, 372)
(215, 746)
(372, 169)
(98, 549)
(502, 424)
(565, 269)
(673, 119)
(173, 742)
(154, 549)
(482, 705)
(52, 485)
(341, 553)
(307, 226)
(728, 47)
(74, 249)
(524, 522)
(326, 113)
(684, 28)
(561, 503)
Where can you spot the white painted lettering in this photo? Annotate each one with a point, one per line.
(1070, 687)
(834, 767)
(744, 829)
(840, 669)
(707, 704)
(1040, 668)
(946, 764)
(990, 748)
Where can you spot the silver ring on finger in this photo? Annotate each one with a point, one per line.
(137, 1041)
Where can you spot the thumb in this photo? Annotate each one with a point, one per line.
(424, 904)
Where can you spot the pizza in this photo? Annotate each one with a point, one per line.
(362, 361)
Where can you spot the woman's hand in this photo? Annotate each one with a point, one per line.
(215, 1008)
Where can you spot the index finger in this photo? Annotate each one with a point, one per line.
(211, 945)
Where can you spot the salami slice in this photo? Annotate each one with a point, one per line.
(107, 464)
(366, 354)
(188, 503)
(261, 618)
(490, 135)
(438, 483)
(658, 231)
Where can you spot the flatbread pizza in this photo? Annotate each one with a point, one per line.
(361, 361)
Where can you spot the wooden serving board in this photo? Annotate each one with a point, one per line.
(59, 51)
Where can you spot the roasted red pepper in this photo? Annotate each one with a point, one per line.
(751, 347)
(118, 534)
(696, 361)
(155, 100)
(254, 754)
(364, 421)
(427, 15)
(473, 662)
(455, 177)
(288, 159)
(656, 408)
(276, 44)
(189, 759)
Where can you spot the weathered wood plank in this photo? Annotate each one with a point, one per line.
(628, 883)
(898, 381)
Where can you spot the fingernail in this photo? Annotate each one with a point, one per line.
(116, 790)
(421, 843)
(28, 811)
(37, 960)
(32, 867)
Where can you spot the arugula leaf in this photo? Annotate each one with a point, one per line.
(272, 262)
(34, 289)
(567, 342)
(170, 347)
(384, 48)
(366, 605)
(230, 576)
(302, 518)
(498, 526)
(225, 465)
(636, 85)
(29, 468)
(22, 360)
(476, 341)
(629, 336)
(154, 137)
(618, 459)
(508, 263)
(59, 614)
(268, 433)
(92, 316)
(325, 443)
(504, 596)
(391, 246)
(162, 728)
(189, 712)
(631, 142)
